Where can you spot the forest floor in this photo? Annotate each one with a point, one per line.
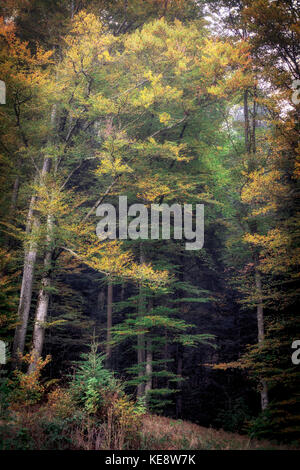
(160, 433)
(39, 430)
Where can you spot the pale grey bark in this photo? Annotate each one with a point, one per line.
(260, 310)
(149, 361)
(178, 385)
(141, 338)
(43, 300)
(261, 334)
(44, 293)
(100, 302)
(250, 144)
(109, 323)
(32, 229)
(25, 298)
(264, 395)
(30, 254)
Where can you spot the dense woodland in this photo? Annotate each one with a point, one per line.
(176, 102)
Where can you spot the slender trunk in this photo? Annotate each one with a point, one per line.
(44, 293)
(250, 144)
(264, 395)
(100, 302)
(178, 385)
(166, 352)
(261, 334)
(180, 349)
(141, 338)
(109, 323)
(254, 121)
(30, 254)
(260, 310)
(32, 228)
(25, 297)
(149, 360)
(43, 299)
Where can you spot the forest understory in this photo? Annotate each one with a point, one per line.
(156, 433)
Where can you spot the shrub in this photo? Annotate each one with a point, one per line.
(101, 395)
(26, 388)
(60, 402)
(92, 386)
(123, 424)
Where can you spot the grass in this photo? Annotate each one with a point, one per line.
(160, 433)
(39, 429)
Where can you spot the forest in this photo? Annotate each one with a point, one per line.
(180, 336)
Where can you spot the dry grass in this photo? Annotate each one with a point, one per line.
(160, 433)
(39, 429)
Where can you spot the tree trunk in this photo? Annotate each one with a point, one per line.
(250, 144)
(32, 228)
(178, 385)
(254, 115)
(264, 395)
(141, 338)
(260, 311)
(261, 333)
(25, 298)
(149, 359)
(180, 348)
(43, 300)
(100, 303)
(109, 323)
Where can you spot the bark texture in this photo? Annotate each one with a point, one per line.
(109, 323)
